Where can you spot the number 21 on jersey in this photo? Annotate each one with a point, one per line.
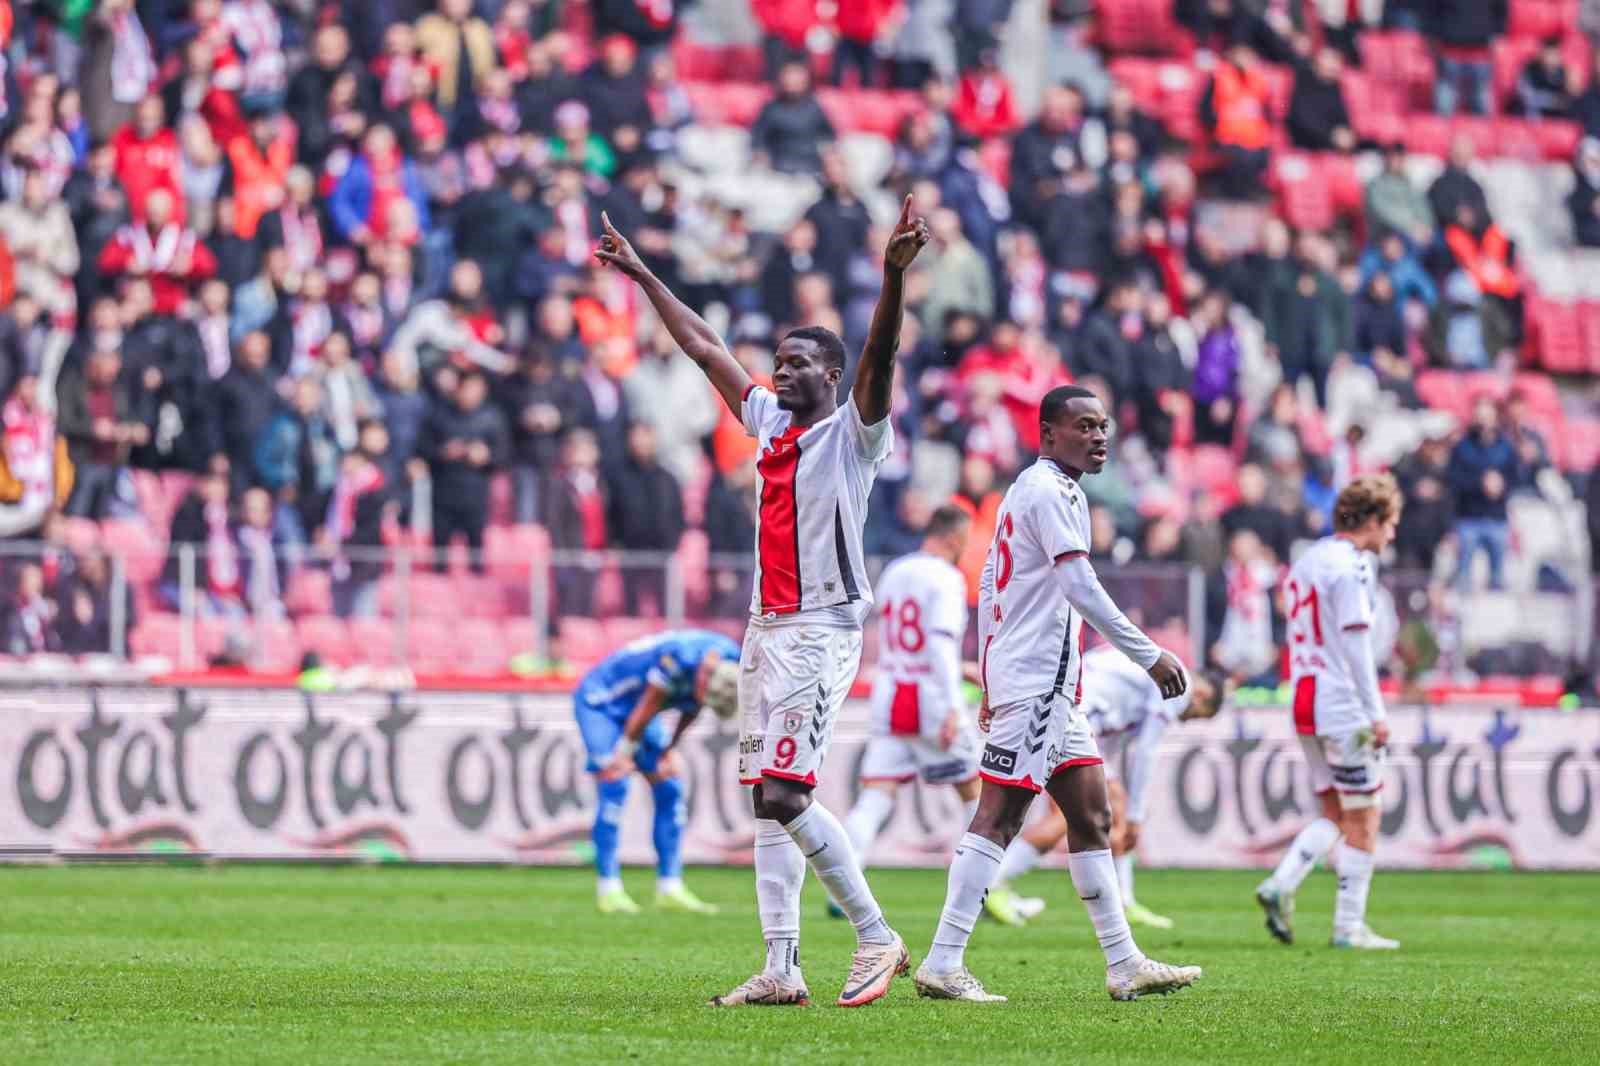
(1301, 601)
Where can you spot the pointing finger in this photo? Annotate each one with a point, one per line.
(905, 211)
(605, 221)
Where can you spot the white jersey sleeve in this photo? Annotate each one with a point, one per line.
(1061, 522)
(874, 442)
(762, 416)
(1352, 597)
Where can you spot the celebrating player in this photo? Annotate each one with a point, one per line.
(1127, 712)
(1036, 592)
(817, 462)
(1330, 598)
(618, 706)
(919, 722)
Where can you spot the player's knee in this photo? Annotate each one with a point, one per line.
(668, 793)
(1090, 828)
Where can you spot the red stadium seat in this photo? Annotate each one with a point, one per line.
(81, 534)
(310, 592)
(156, 634)
(726, 103)
(1583, 444)
(583, 641)
(372, 641)
(481, 648)
(326, 635)
(142, 550)
(1584, 355)
(1534, 19)
(277, 647)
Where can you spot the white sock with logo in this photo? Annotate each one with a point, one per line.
(866, 819)
(780, 871)
(1355, 881)
(1020, 857)
(1094, 875)
(826, 847)
(1125, 876)
(973, 870)
(1309, 845)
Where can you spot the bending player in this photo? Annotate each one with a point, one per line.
(919, 724)
(618, 706)
(1036, 592)
(818, 459)
(1127, 713)
(1330, 598)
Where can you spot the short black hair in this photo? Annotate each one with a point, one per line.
(946, 519)
(1054, 404)
(824, 338)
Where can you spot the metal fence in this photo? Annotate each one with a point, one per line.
(525, 608)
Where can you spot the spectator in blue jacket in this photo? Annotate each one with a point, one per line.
(1483, 467)
(1394, 256)
(362, 203)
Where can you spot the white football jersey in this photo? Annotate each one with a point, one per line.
(1330, 588)
(1030, 638)
(814, 486)
(922, 614)
(1119, 696)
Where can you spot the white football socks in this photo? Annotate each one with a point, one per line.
(1309, 845)
(866, 818)
(1020, 857)
(973, 870)
(1094, 875)
(608, 884)
(780, 871)
(1125, 876)
(1355, 881)
(827, 848)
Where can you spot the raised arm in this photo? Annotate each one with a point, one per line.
(875, 375)
(691, 332)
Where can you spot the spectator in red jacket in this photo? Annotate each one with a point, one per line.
(147, 155)
(863, 25)
(984, 105)
(790, 26)
(162, 250)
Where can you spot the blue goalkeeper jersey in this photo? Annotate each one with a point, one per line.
(668, 661)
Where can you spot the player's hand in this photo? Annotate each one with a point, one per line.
(616, 251)
(1380, 734)
(985, 715)
(951, 728)
(669, 765)
(618, 768)
(1168, 675)
(909, 237)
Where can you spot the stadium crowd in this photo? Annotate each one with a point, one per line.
(333, 260)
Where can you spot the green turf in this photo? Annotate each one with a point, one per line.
(392, 965)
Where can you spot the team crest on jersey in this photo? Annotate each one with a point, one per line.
(793, 722)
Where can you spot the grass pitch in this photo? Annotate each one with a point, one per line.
(393, 965)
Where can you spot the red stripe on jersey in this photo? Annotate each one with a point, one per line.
(1305, 705)
(748, 389)
(804, 779)
(905, 712)
(1089, 760)
(1011, 782)
(778, 546)
(1067, 556)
